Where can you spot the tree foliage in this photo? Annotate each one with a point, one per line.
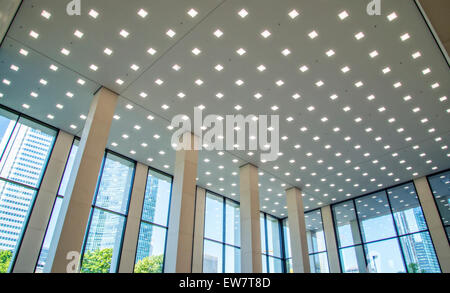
(5, 259)
(150, 264)
(97, 261)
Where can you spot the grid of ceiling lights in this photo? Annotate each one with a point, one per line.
(316, 193)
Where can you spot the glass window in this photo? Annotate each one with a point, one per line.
(56, 208)
(222, 235)
(106, 227)
(273, 237)
(440, 186)
(150, 254)
(315, 237)
(25, 148)
(212, 257)
(275, 265)
(271, 244)
(394, 233)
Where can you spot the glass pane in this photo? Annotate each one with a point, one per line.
(262, 225)
(314, 232)
(214, 217)
(347, 229)
(419, 253)
(49, 235)
(232, 223)
(408, 213)
(157, 198)
(440, 185)
(69, 168)
(7, 123)
(319, 263)
(384, 257)
(275, 265)
(15, 204)
(115, 184)
(287, 239)
(212, 257)
(150, 249)
(289, 268)
(232, 259)
(27, 153)
(375, 217)
(103, 243)
(264, 263)
(352, 260)
(273, 236)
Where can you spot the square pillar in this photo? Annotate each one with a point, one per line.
(251, 260)
(67, 242)
(30, 248)
(434, 222)
(330, 239)
(130, 239)
(180, 234)
(297, 231)
(199, 229)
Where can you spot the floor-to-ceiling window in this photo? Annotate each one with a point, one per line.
(25, 147)
(271, 244)
(221, 248)
(384, 232)
(317, 248)
(103, 242)
(56, 208)
(154, 222)
(287, 247)
(440, 186)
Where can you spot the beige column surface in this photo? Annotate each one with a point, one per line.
(330, 239)
(70, 230)
(130, 239)
(434, 222)
(251, 259)
(297, 231)
(29, 250)
(199, 227)
(180, 233)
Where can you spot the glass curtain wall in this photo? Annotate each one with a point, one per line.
(440, 186)
(384, 232)
(221, 248)
(272, 244)
(103, 241)
(56, 208)
(287, 246)
(25, 147)
(317, 248)
(151, 247)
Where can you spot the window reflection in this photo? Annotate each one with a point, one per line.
(440, 186)
(317, 248)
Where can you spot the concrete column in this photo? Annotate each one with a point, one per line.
(180, 235)
(330, 239)
(29, 250)
(251, 260)
(9, 8)
(434, 222)
(199, 229)
(130, 239)
(76, 206)
(297, 231)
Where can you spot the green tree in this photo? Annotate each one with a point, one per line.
(150, 264)
(5, 259)
(97, 261)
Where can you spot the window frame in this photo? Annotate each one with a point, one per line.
(435, 201)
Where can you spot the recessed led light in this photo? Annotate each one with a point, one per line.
(359, 84)
(43, 82)
(239, 82)
(345, 69)
(83, 117)
(93, 67)
(241, 51)
(65, 51)
(196, 51)
(199, 82)
(435, 85)
(142, 13)
(23, 52)
(397, 84)
(59, 106)
(243, 13)
(134, 67)
(159, 81)
(343, 15)
(293, 14)
(218, 33)
(303, 68)
(416, 55)
(73, 126)
(392, 16)
(313, 34)
(108, 51)
(333, 97)
(286, 52)
(34, 34)
(119, 81)
(171, 33)
(386, 70)
(78, 34)
(219, 95)
(50, 116)
(46, 14)
(346, 109)
(319, 83)
(151, 51)
(26, 106)
(124, 33)
(426, 71)
(265, 34)
(93, 13)
(404, 37)
(165, 107)
(373, 54)
(238, 107)
(53, 67)
(280, 83)
(330, 53)
(359, 35)
(14, 67)
(407, 98)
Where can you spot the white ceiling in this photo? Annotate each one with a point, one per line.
(330, 169)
